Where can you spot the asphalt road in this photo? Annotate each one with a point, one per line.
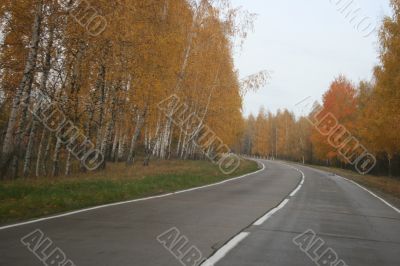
(360, 228)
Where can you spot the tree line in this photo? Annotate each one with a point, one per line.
(109, 84)
(368, 110)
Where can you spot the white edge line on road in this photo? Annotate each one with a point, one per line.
(222, 252)
(373, 194)
(127, 202)
(362, 187)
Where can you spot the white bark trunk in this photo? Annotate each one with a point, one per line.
(68, 165)
(114, 147)
(43, 83)
(121, 147)
(27, 79)
(56, 159)
(135, 137)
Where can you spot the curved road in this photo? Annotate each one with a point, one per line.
(233, 223)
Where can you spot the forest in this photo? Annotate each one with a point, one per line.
(104, 66)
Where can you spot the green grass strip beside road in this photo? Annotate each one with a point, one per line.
(27, 199)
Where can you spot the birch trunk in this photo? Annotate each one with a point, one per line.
(27, 79)
(56, 159)
(46, 154)
(68, 165)
(198, 15)
(29, 149)
(179, 143)
(170, 142)
(40, 151)
(135, 137)
(105, 149)
(43, 82)
(121, 148)
(101, 102)
(165, 10)
(114, 147)
(389, 158)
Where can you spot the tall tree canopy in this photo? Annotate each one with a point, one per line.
(108, 83)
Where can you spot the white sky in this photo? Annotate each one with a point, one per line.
(306, 44)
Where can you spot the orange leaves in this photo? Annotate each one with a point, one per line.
(340, 99)
(339, 102)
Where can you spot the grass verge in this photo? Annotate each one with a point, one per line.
(32, 198)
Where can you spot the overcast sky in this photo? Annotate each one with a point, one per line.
(305, 45)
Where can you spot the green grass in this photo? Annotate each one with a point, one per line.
(32, 198)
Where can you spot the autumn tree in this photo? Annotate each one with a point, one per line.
(108, 84)
(383, 107)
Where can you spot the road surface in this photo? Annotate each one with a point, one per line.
(233, 223)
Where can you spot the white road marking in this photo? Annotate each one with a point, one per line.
(126, 202)
(373, 194)
(283, 204)
(222, 252)
(303, 177)
(296, 190)
(362, 187)
(271, 212)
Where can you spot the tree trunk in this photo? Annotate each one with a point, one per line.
(198, 15)
(56, 159)
(29, 149)
(121, 148)
(40, 151)
(68, 165)
(46, 154)
(43, 82)
(26, 82)
(135, 137)
(165, 10)
(105, 146)
(101, 102)
(114, 147)
(178, 148)
(389, 165)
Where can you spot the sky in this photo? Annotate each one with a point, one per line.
(305, 45)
